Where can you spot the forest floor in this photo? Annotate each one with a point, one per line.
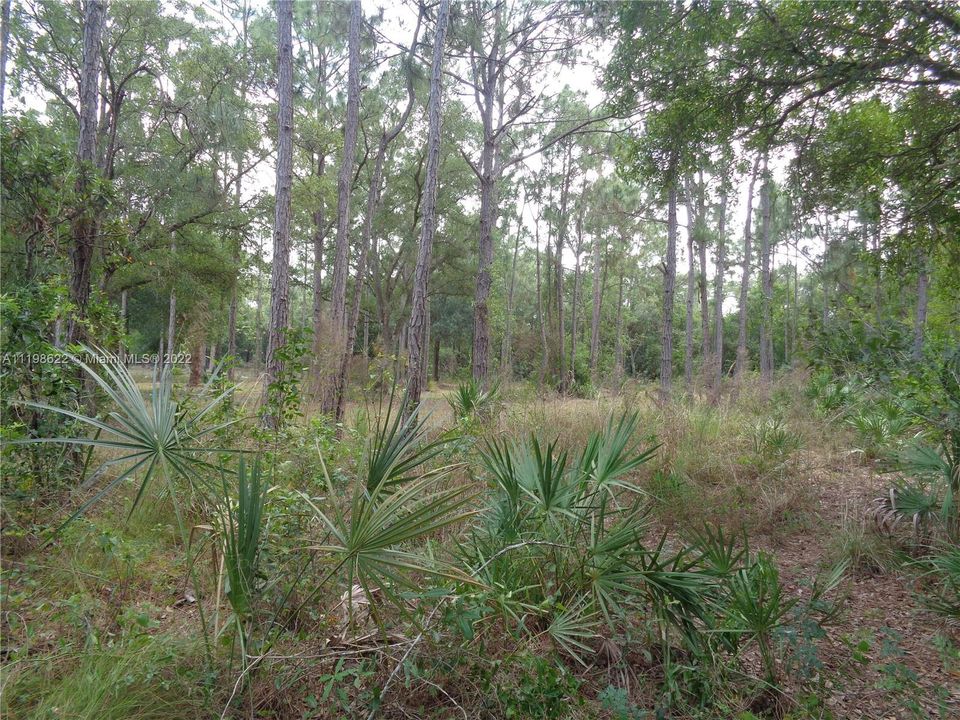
(884, 656)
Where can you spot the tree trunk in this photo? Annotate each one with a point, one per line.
(575, 302)
(595, 316)
(506, 349)
(544, 348)
(86, 225)
(280, 275)
(196, 361)
(171, 326)
(669, 285)
(4, 49)
(436, 360)
(338, 292)
(618, 343)
(766, 281)
(418, 314)
(232, 330)
(688, 328)
(319, 233)
(920, 319)
(561, 242)
(742, 358)
(481, 319)
(258, 318)
(718, 291)
(372, 208)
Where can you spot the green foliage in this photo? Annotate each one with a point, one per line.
(154, 438)
(242, 520)
(471, 403)
(396, 446)
(879, 427)
(773, 445)
(529, 686)
(138, 676)
(942, 571)
(393, 509)
(283, 397)
(32, 370)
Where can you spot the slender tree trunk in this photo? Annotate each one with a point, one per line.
(481, 320)
(4, 49)
(618, 343)
(920, 319)
(280, 275)
(85, 226)
(418, 316)
(171, 326)
(338, 292)
(575, 302)
(541, 320)
(718, 291)
(258, 319)
(766, 283)
(506, 350)
(196, 360)
(319, 233)
(688, 328)
(669, 285)
(595, 316)
(232, 330)
(372, 208)
(561, 243)
(742, 358)
(704, 302)
(436, 360)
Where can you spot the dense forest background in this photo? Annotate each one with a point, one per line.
(558, 209)
(351, 254)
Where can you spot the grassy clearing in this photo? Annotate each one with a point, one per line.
(538, 606)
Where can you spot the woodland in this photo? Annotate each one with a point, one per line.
(480, 358)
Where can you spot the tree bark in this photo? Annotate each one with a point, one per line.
(280, 275)
(562, 226)
(618, 343)
(742, 358)
(506, 349)
(718, 291)
(488, 199)
(669, 285)
(595, 316)
(544, 348)
(418, 315)
(338, 292)
(372, 208)
(575, 302)
(86, 225)
(688, 328)
(766, 280)
(4, 49)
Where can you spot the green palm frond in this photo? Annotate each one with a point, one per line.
(368, 543)
(396, 449)
(611, 454)
(571, 628)
(153, 438)
(471, 400)
(242, 520)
